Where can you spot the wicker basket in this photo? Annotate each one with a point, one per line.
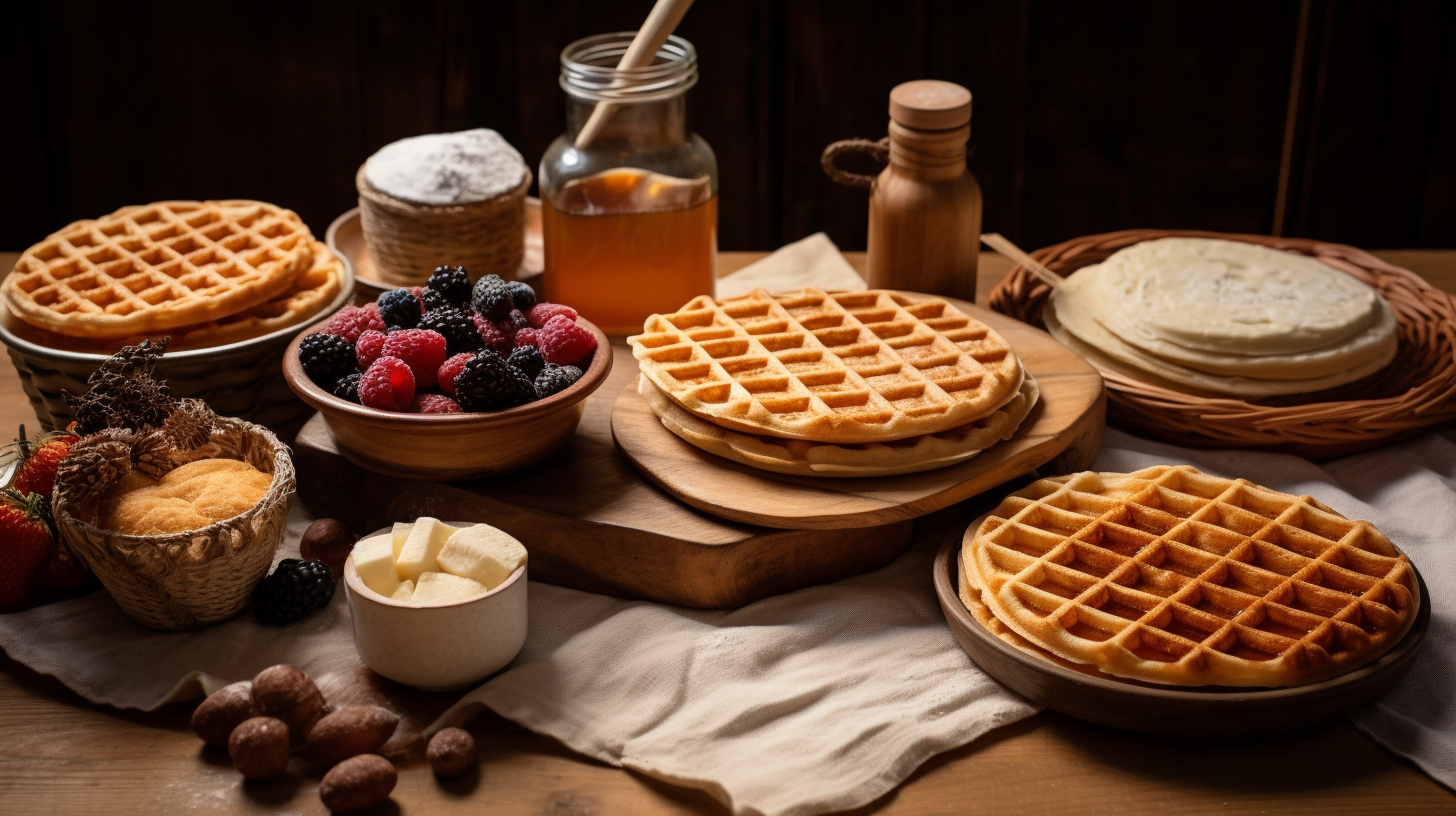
(1416, 391)
(188, 580)
(407, 241)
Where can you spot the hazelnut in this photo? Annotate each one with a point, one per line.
(215, 718)
(451, 751)
(350, 731)
(329, 541)
(286, 692)
(357, 783)
(259, 748)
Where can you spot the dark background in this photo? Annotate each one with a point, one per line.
(1332, 119)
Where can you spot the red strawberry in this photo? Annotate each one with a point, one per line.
(25, 545)
(39, 460)
(64, 573)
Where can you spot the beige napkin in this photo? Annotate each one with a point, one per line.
(813, 261)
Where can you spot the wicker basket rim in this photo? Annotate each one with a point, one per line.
(282, 474)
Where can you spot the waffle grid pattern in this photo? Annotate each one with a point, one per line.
(1174, 576)
(158, 266)
(843, 368)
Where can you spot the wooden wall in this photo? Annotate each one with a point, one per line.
(1325, 118)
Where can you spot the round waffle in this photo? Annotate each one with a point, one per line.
(803, 458)
(145, 269)
(1173, 576)
(844, 368)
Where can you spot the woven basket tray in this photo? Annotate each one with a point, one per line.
(192, 579)
(1415, 391)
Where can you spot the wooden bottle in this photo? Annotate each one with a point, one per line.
(925, 206)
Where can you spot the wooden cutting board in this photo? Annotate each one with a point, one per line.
(1063, 434)
(591, 522)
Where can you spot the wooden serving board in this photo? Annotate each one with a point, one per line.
(590, 522)
(1185, 712)
(1063, 433)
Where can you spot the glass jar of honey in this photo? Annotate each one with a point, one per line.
(629, 203)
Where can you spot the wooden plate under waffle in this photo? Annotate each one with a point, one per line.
(1135, 706)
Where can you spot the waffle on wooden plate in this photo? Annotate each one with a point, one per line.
(803, 458)
(1176, 577)
(146, 269)
(842, 368)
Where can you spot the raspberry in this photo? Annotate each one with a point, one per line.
(507, 331)
(369, 348)
(541, 313)
(435, 404)
(491, 297)
(493, 337)
(563, 342)
(554, 379)
(450, 370)
(489, 383)
(456, 327)
(420, 349)
(326, 358)
(352, 321)
(527, 359)
(388, 385)
(451, 283)
(525, 337)
(522, 295)
(348, 388)
(400, 308)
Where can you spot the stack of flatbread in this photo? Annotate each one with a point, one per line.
(1223, 317)
(845, 384)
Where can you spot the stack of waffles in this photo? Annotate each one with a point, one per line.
(1173, 576)
(847, 384)
(204, 272)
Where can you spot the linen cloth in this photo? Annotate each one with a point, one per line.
(819, 700)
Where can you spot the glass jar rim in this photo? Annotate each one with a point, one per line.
(589, 70)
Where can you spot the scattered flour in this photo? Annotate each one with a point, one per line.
(446, 168)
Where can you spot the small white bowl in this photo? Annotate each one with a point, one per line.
(437, 648)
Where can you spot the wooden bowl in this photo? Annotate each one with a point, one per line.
(451, 446)
(1177, 711)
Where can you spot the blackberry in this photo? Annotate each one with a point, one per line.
(456, 327)
(554, 379)
(517, 320)
(399, 309)
(295, 589)
(527, 359)
(434, 301)
(452, 283)
(326, 358)
(522, 295)
(492, 298)
(348, 388)
(488, 383)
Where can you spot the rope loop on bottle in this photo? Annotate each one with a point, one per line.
(877, 151)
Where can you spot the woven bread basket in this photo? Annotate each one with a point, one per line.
(192, 579)
(1414, 392)
(407, 241)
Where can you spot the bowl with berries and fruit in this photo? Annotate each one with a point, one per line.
(450, 380)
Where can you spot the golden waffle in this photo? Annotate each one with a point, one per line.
(1173, 576)
(803, 458)
(311, 292)
(850, 367)
(145, 269)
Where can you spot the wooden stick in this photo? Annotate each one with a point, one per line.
(1001, 244)
(661, 22)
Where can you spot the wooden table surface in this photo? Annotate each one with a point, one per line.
(62, 755)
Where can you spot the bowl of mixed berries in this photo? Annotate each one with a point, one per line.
(452, 379)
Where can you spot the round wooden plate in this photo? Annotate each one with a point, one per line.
(1206, 712)
(1062, 434)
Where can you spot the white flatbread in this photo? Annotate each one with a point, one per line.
(1230, 297)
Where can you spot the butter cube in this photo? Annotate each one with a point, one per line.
(444, 588)
(483, 554)
(401, 533)
(374, 561)
(420, 548)
(405, 592)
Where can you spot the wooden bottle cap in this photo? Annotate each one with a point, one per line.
(930, 104)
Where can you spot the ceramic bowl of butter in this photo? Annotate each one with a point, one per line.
(438, 606)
